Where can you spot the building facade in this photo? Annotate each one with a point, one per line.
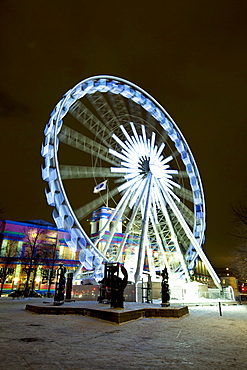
(30, 252)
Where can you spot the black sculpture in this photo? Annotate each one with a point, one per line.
(165, 289)
(60, 285)
(112, 286)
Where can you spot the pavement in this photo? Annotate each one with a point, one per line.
(201, 340)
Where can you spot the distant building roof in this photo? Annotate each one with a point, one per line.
(40, 222)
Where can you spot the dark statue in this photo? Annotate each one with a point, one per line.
(165, 294)
(60, 285)
(112, 286)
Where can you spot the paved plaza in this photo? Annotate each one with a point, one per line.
(201, 340)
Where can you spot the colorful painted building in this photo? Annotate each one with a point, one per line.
(32, 250)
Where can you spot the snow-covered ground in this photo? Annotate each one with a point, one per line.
(201, 340)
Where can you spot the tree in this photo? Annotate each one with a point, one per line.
(7, 258)
(2, 225)
(50, 259)
(239, 264)
(34, 253)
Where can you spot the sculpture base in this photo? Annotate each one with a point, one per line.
(133, 311)
(165, 304)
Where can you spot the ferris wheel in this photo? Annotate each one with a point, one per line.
(108, 135)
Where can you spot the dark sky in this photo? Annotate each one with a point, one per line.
(191, 56)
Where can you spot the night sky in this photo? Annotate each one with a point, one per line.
(191, 56)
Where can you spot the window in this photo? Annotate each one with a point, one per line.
(11, 249)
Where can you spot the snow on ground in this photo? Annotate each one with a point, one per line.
(201, 340)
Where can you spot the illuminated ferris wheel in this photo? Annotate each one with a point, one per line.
(110, 135)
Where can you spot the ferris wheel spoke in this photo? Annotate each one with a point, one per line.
(91, 122)
(85, 172)
(184, 193)
(119, 215)
(153, 123)
(79, 141)
(104, 110)
(174, 239)
(129, 142)
(175, 153)
(119, 211)
(136, 200)
(135, 138)
(162, 137)
(135, 112)
(126, 195)
(145, 220)
(192, 239)
(181, 174)
(119, 107)
(179, 216)
(176, 211)
(187, 213)
(164, 233)
(87, 209)
(160, 246)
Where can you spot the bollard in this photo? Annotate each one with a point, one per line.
(220, 309)
(69, 286)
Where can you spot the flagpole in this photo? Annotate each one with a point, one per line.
(107, 194)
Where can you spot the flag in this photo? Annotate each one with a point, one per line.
(99, 187)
